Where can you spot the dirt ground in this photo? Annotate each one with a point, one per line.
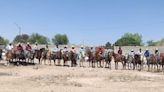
(45, 78)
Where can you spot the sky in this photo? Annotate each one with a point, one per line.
(84, 21)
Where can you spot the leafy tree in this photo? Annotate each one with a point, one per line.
(21, 38)
(152, 43)
(60, 39)
(3, 41)
(108, 45)
(129, 39)
(40, 39)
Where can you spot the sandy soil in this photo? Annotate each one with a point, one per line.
(45, 78)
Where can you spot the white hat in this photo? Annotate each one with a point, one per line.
(146, 48)
(82, 46)
(73, 46)
(28, 43)
(132, 50)
(156, 49)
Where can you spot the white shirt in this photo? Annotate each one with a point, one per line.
(9, 47)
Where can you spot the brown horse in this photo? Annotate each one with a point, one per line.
(91, 58)
(162, 60)
(137, 62)
(57, 56)
(66, 58)
(99, 58)
(73, 58)
(119, 58)
(38, 54)
(152, 60)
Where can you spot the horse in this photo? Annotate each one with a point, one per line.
(162, 60)
(91, 58)
(30, 55)
(152, 60)
(119, 58)
(38, 54)
(108, 59)
(66, 58)
(99, 58)
(129, 60)
(73, 58)
(0, 54)
(138, 62)
(57, 56)
(46, 55)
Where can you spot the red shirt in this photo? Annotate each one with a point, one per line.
(28, 48)
(19, 48)
(120, 51)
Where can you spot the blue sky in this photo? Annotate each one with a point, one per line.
(84, 21)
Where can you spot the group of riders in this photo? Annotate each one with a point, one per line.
(82, 54)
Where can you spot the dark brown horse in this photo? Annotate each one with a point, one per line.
(99, 58)
(137, 62)
(91, 58)
(66, 58)
(162, 60)
(152, 61)
(38, 54)
(73, 58)
(57, 56)
(119, 58)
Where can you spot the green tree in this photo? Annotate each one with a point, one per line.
(40, 39)
(108, 45)
(3, 41)
(60, 39)
(21, 38)
(129, 39)
(152, 43)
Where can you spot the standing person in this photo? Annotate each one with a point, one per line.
(81, 56)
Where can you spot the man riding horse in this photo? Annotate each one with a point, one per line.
(73, 56)
(81, 56)
(57, 54)
(28, 51)
(20, 52)
(65, 55)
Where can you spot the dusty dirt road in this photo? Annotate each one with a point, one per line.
(45, 78)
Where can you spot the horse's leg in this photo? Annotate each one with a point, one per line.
(115, 65)
(54, 61)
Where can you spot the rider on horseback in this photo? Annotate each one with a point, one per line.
(28, 49)
(141, 54)
(81, 55)
(9, 48)
(36, 46)
(120, 51)
(65, 50)
(157, 54)
(132, 53)
(19, 47)
(56, 49)
(74, 56)
(147, 54)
